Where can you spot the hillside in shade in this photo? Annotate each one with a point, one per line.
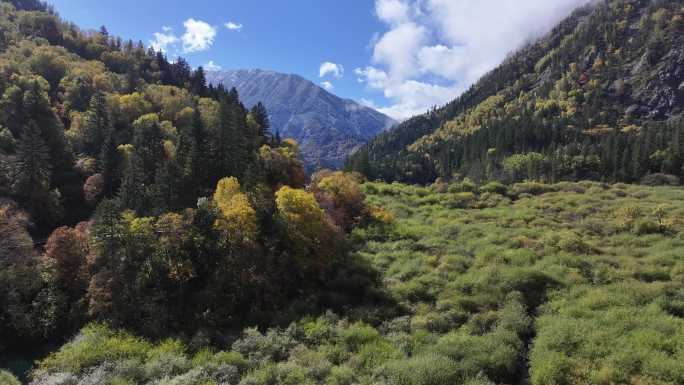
(327, 127)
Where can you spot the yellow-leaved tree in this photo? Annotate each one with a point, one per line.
(238, 218)
(313, 238)
(343, 190)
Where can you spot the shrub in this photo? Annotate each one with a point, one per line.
(573, 243)
(340, 375)
(357, 335)
(377, 352)
(6, 378)
(660, 180)
(479, 380)
(494, 187)
(316, 363)
(464, 186)
(489, 200)
(644, 227)
(317, 331)
(460, 200)
(532, 188)
(627, 216)
(496, 354)
(258, 348)
(285, 373)
(95, 344)
(425, 369)
(567, 241)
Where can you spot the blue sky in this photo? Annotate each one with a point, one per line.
(399, 56)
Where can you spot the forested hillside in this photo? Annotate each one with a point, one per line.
(133, 194)
(601, 97)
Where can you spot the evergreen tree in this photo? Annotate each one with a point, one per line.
(196, 166)
(32, 169)
(223, 153)
(133, 190)
(109, 162)
(148, 146)
(260, 116)
(180, 73)
(97, 123)
(198, 83)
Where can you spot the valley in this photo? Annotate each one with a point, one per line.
(163, 223)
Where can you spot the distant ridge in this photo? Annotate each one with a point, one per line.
(327, 127)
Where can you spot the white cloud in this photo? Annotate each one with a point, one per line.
(392, 11)
(328, 86)
(396, 49)
(198, 36)
(410, 97)
(331, 68)
(233, 26)
(368, 103)
(211, 66)
(433, 50)
(163, 40)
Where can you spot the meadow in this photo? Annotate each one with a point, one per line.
(572, 283)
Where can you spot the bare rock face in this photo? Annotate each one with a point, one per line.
(328, 128)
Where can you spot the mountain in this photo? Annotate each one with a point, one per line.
(600, 97)
(327, 127)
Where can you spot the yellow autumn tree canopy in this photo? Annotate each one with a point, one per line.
(238, 218)
(300, 211)
(313, 239)
(343, 188)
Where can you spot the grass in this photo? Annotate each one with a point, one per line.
(573, 283)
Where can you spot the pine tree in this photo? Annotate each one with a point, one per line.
(180, 73)
(109, 163)
(32, 168)
(196, 165)
(149, 147)
(260, 116)
(132, 194)
(97, 123)
(223, 145)
(198, 83)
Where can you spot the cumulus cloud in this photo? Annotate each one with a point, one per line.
(211, 66)
(433, 50)
(331, 68)
(198, 36)
(233, 26)
(163, 40)
(328, 86)
(392, 11)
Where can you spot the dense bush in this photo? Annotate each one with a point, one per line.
(7, 378)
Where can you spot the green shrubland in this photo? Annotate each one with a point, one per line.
(559, 287)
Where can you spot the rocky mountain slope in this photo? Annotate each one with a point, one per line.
(599, 97)
(327, 127)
